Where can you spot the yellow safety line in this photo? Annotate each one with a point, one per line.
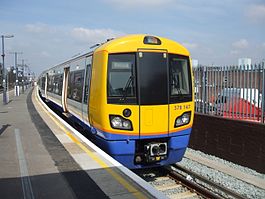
(119, 178)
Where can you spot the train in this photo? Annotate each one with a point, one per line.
(133, 95)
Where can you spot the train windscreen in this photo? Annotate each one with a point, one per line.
(121, 79)
(153, 78)
(179, 79)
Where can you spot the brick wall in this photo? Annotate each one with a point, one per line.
(237, 141)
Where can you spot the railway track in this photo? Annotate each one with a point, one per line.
(177, 182)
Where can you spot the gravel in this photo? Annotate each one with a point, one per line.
(230, 164)
(152, 177)
(243, 188)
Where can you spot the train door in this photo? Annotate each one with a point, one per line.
(86, 88)
(152, 73)
(65, 88)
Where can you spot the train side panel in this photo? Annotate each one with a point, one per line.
(97, 89)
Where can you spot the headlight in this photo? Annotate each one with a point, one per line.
(118, 122)
(183, 119)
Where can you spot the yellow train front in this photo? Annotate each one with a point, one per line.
(133, 95)
(140, 105)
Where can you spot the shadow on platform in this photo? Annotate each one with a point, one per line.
(74, 184)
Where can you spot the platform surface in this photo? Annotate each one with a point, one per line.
(39, 158)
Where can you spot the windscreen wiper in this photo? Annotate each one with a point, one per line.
(126, 87)
(176, 86)
(179, 91)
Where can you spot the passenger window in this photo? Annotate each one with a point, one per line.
(43, 83)
(75, 87)
(50, 83)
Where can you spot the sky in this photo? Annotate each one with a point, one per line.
(47, 32)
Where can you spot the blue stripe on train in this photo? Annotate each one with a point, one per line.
(122, 147)
(124, 150)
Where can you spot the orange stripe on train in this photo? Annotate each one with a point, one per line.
(143, 133)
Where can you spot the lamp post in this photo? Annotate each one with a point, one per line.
(23, 75)
(26, 69)
(16, 66)
(5, 83)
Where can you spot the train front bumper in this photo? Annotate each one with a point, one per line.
(126, 151)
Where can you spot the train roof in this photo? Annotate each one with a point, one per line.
(133, 43)
(130, 43)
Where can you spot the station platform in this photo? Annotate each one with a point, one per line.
(41, 157)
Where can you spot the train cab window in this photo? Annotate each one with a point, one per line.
(121, 86)
(180, 79)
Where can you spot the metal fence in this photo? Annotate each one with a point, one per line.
(236, 92)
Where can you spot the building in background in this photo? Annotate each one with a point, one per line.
(245, 63)
(195, 63)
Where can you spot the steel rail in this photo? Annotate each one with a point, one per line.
(200, 190)
(205, 180)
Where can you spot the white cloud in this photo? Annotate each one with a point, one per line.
(94, 35)
(78, 35)
(39, 28)
(139, 3)
(234, 52)
(45, 54)
(190, 45)
(45, 45)
(256, 13)
(241, 44)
